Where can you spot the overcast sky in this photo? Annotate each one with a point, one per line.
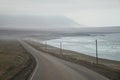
(87, 12)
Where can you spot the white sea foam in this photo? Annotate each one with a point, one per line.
(108, 45)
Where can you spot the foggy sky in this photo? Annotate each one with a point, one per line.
(87, 12)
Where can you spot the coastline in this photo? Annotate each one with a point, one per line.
(108, 46)
(83, 56)
(108, 68)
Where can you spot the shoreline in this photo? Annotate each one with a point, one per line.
(108, 68)
(45, 40)
(104, 51)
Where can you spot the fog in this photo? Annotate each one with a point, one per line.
(37, 22)
(93, 13)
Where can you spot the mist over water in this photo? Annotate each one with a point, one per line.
(108, 45)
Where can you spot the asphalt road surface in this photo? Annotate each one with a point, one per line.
(52, 68)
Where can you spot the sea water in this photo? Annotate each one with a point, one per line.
(108, 45)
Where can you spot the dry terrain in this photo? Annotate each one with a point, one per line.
(14, 61)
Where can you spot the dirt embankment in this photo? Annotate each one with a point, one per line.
(15, 62)
(103, 68)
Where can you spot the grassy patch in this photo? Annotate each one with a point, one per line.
(13, 59)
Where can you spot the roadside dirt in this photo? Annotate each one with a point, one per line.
(15, 62)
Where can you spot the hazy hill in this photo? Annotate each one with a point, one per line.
(37, 22)
(48, 23)
(98, 29)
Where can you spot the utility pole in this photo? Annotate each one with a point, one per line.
(60, 47)
(96, 51)
(46, 45)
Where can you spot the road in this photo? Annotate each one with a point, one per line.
(52, 68)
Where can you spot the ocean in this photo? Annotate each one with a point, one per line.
(108, 45)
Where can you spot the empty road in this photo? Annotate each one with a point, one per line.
(52, 68)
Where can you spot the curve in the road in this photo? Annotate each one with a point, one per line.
(51, 68)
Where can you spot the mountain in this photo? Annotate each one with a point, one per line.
(49, 23)
(37, 22)
(108, 29)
